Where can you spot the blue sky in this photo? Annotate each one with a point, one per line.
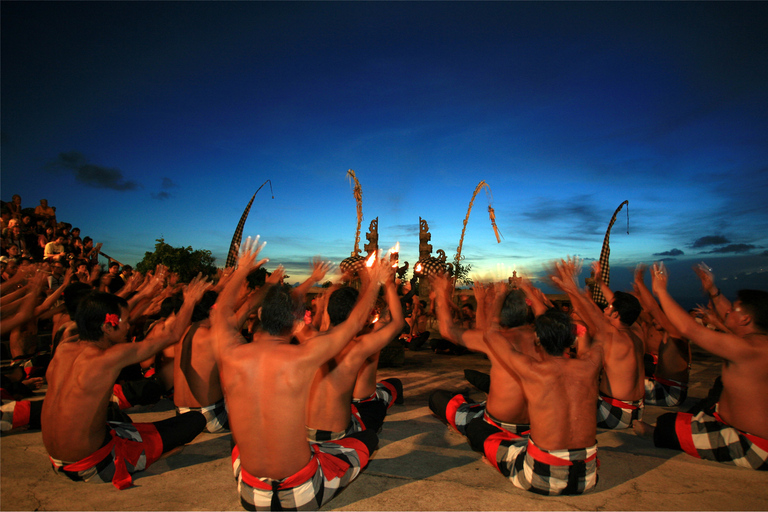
(142, 120)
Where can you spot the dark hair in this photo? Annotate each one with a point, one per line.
(92, 313)
(340, 304)
(257, 277)
(627, 306)
(171, 304)
(73, 294)
(555, 331)
(278, 312)
(87, 239)
(127, 267)
(114, 264)
(514, 311)
(756, 304)
(203, 308)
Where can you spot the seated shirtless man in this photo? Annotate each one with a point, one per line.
(622, 384)
(560, 456)
(196, 385)
(668, 384)
(505, 406)
(331, 414)
(735, 429)
(266, 385)
(80, 442)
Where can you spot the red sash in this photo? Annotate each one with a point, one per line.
(21, 413)
(618, 403)
(453, 406)
(333, 467)
(547, 458)
(125, 450)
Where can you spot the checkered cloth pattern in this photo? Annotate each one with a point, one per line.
(461, 411)
(333, 466)
(605, 253)
(533, 469)
(618, 414)
(707, 436)
(134, 445)
(216, 416)
(356, 424)
(238, 236)
(665, 392)
(385, 392)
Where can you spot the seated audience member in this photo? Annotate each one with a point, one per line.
(735, 429)
(112, 279)
(266, 385)
(46, 213)
(14, 207)
(80, 442)
(560, 456)
(54, 251)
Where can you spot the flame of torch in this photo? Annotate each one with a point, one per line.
(417, 268)
(370, 260)
(394, 255)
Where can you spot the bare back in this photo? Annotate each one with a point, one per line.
(506, 401)
(266, 384)
(674, 359)
(561, 400)
(745, 386)
(623, 374)
(74, 417)
(330, 395)
(195, 373)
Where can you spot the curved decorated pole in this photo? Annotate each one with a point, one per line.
(358, 193)
(492, 214)
(605, 252)
(238, 236)
(355, 262)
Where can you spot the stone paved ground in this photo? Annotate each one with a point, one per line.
(420, 465)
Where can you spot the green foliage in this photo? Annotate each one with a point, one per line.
(182, 260)
(462, 274)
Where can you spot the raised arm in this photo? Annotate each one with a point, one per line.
(319, 269)
(564, 277)
(324, 346)
(719, 301)
(377, 340)
(650, 305)
(471, 339)
(728, 346)
(607, 293)
(537, 299)
(224, 322)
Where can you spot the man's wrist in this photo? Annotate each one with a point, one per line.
(714, 295)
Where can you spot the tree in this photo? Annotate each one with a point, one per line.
(182, 260)
(462, 273)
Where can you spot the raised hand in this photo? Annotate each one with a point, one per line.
(319, 269)
(276, 277)
(706, 276)
(196, 288)
(659, 278)
(248, 253)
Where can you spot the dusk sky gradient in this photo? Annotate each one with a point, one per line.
(143, 120)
